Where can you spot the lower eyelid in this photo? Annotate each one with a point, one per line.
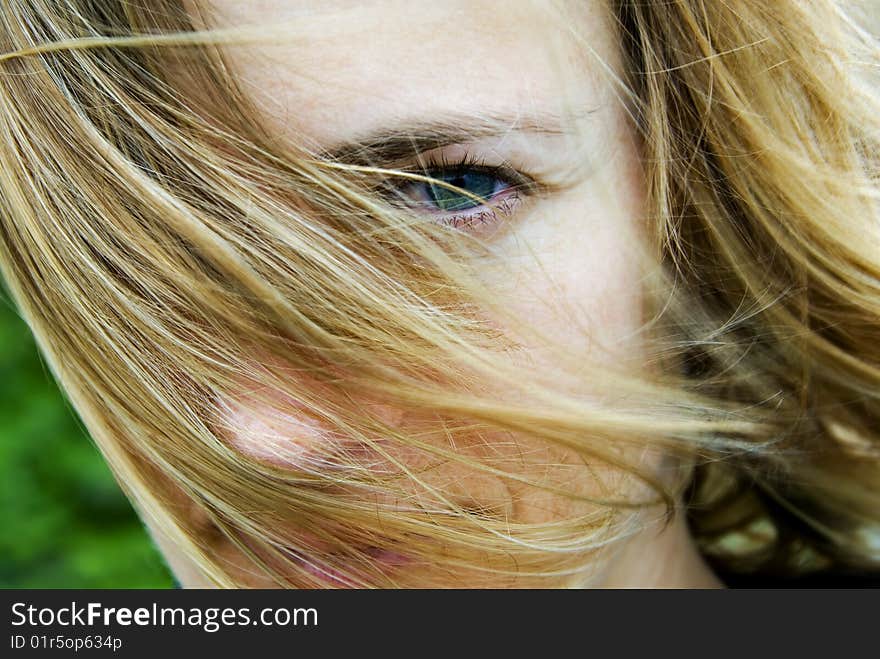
(485, 216)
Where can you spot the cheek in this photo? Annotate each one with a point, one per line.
(273, 433)
(277, 429)
(273, 427)
(285, 435)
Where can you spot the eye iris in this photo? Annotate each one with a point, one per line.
(477, 183)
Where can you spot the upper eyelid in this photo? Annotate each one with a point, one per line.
(406, 140)
(421, 159)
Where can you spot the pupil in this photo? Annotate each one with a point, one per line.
(481, 185)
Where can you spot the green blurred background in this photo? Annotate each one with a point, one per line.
(64, 523)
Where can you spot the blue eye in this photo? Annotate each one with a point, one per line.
(480, 184)
(485, 194)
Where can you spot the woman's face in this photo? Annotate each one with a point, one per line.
(384, 69)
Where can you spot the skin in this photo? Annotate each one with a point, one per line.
(565, 259)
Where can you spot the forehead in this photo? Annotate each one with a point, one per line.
(346, 66)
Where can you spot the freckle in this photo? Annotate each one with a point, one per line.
(392, 416)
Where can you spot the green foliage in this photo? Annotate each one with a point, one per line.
(64, 523)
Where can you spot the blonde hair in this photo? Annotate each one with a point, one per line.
(155, 245)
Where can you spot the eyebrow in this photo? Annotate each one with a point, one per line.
(389, 145)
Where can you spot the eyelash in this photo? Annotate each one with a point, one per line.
(516, 186)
